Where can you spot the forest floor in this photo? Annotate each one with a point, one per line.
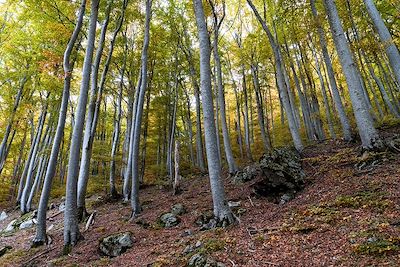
(344, 217)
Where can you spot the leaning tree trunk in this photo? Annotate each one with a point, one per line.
(32, 161)
(3, 145)
(386, 38)
(90, 122)
(369, 135)
(221, 209)
(71, 229)
(281, 81)
(344, 121)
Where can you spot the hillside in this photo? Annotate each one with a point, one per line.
(344, 217)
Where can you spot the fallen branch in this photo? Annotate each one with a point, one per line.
(90, 221)
(251, 201)
(54, 215)
(38, 256)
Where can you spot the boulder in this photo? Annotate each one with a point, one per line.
(282, 175)
(247, 174)
(3, 216)
(115, 245)
(178, 209)
(169, 220)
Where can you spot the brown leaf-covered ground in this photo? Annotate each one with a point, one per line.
(344, 217)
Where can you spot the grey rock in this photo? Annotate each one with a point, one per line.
(61, 207)
(27, 224)
(247, 174)
(200, 260)
(3, 216)
(282, 174)
(197, 260)
(11, 226)
(188, 249)
(372, 239)
(286, 198)
(187, 232)
(212, 224)
(169, 220)
(115, 245)
(178, 209)
(198, 244)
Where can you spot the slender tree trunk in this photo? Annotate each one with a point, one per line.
(3, 145)
(281, 81)
(386, 38)
(71, 230)
(221, 97)
(260, 111)
(90, 123)
(177, 178)
(221, 210)
(135, 205)
(117, 127)
(369, 135)
(32, 161)
(344, 121)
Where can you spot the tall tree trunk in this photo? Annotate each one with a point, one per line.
(344, 121)
(32, 161)
(281, 81)
(117, 127)
(221, 95)
(71, 230)
(136, 128)
(221, 209)
(369, 135)
(91, 120)
(3, 145)
(386, 38)
(260, 111)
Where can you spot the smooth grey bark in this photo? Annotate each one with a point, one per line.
(215, 91)
(90, 122)
(137, 122)
(391, 50)
(32, 160)
(17, 167)
(40, 168)
(369, 135)
(71, 229)
(222, 211)
(188, 118)
(117, 127)
(281, 81)
(177, 177)
(344, 121)
(246, 116)
(232, 166)
(173, 127)
(3, 145)
(260, 111)
(199, 132)
(238, 109)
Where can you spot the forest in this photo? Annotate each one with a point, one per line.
(199, 133)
